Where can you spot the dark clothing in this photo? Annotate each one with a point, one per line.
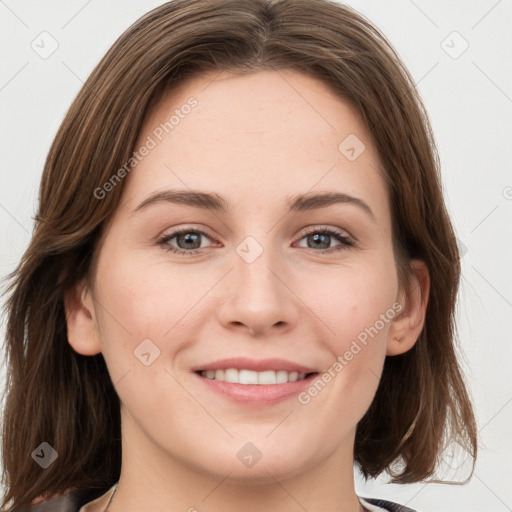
(69, 502)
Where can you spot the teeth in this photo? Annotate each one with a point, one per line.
(251, 377)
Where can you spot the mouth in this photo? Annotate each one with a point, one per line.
(251, 377)
(255, 382)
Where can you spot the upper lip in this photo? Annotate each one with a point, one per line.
(258, 365)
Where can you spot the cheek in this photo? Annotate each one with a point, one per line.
(359, 313)
(352, 299)
(146, 296)
(144, 306)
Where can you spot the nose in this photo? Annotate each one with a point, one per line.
(258, 296)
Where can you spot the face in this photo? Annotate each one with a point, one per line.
(300, 294)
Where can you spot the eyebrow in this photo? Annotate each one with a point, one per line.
(215, 202)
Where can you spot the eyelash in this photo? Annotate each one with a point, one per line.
(346, 242)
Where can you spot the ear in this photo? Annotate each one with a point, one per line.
(83, 331)
(408, 325)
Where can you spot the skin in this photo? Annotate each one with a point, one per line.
(264, 135)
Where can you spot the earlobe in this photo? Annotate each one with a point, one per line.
(82, 328)
(407, 326)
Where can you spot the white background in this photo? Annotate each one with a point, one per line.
(469, 99)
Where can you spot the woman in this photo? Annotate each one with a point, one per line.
(166, 349)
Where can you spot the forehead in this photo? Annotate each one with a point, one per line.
(269, 134)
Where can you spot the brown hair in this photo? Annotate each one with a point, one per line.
(68, 400)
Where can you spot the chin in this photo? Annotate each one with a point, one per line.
(266, 470)
(262, 474)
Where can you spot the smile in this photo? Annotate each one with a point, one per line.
(242, 376)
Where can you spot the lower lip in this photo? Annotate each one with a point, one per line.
(258, 394)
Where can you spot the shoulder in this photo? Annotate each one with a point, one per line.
(378, 505)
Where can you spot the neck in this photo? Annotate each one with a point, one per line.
(156, 481)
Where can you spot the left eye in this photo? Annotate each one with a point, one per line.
(323, 236)
(190, 240)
